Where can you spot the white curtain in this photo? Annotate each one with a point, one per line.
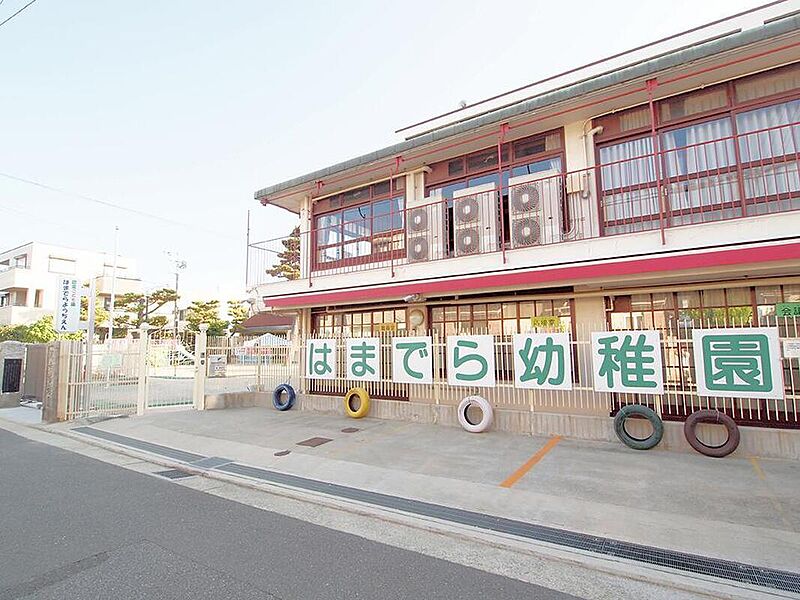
(775, 150)
(693, 149)
(632, 164)
(782, 138)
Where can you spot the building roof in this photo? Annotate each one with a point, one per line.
(268, 320)
(647, 67)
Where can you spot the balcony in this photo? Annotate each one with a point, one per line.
(15, 277)
(636, 203)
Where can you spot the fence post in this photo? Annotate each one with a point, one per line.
(141, 386)
(200, 344)
(62, 388)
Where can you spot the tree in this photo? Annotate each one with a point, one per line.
(100, 316)
(288, 265)
(138, 309)
(205, 312)
(238, 312)
(40, 332)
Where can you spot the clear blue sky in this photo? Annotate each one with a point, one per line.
(185, 108)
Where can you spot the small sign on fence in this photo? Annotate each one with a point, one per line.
(787, 309)
(791, 348)
(217, 364)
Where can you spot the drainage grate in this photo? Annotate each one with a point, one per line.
(690, 563)
(693, 563)
(124, 440)
(174, 474)
(212, 462)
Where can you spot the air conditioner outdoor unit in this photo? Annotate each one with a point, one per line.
(476, 220)
(425, 236)
(535, 209)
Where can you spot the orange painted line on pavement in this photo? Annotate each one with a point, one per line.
(529, 464)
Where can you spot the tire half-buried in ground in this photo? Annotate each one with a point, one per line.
(356, 402)
(277, 397)
(713, 417)
(626, 438)
(487, 414)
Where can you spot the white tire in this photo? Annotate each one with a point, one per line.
(487, 414)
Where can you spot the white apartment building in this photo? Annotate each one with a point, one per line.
(29, 277)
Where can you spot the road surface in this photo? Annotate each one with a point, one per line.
(73, 527)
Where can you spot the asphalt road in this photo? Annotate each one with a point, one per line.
(74, 527)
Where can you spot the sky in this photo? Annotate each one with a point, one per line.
(183, 109)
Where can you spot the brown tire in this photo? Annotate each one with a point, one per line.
(714, 417)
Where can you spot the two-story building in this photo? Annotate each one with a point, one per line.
(662, 194)
(29, 276)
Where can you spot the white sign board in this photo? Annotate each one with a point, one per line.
(791, 348)
(627, 361)
(68, 308)
(364, 359)
(321, 359)
(542, 361)
(470, 360)
(740, 362)
(412, 359)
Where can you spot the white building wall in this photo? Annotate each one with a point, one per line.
(45, 265)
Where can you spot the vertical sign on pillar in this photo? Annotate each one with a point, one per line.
(68, 309)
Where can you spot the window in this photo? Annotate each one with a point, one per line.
(5, 299)
(498, 318)
(769, 144)
(360, 323)
(717, 158)
(527, 156)
(21, 262)
(372, 228)
(65, 266)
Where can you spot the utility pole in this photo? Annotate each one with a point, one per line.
(113, 288)
(179, 265)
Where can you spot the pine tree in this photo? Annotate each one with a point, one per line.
(288, 265)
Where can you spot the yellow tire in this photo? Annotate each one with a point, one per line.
(362, 397)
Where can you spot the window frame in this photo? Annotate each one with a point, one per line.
(730, 111)
(394, 194)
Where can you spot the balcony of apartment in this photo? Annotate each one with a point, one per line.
(12, 277)
(709, 185)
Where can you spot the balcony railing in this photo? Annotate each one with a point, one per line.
(729, 177)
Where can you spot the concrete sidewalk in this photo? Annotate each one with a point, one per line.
(739, 509)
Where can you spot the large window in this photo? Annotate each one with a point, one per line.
(538, 154)
(362, 225)
(498, 318)
(721, 153)
(360, 323)
(64, 266)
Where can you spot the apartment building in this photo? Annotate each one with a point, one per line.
(29, 276)
(662, 194)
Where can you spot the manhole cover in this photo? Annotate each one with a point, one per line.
(314, 442)
(350, 429)
(282, 453)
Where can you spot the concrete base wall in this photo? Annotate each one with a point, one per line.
(237, 400)
(10, 399)
(755, 441)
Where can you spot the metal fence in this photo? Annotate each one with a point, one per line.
(248, 364)
(680, 397)
(123, 376)
(629, 190)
